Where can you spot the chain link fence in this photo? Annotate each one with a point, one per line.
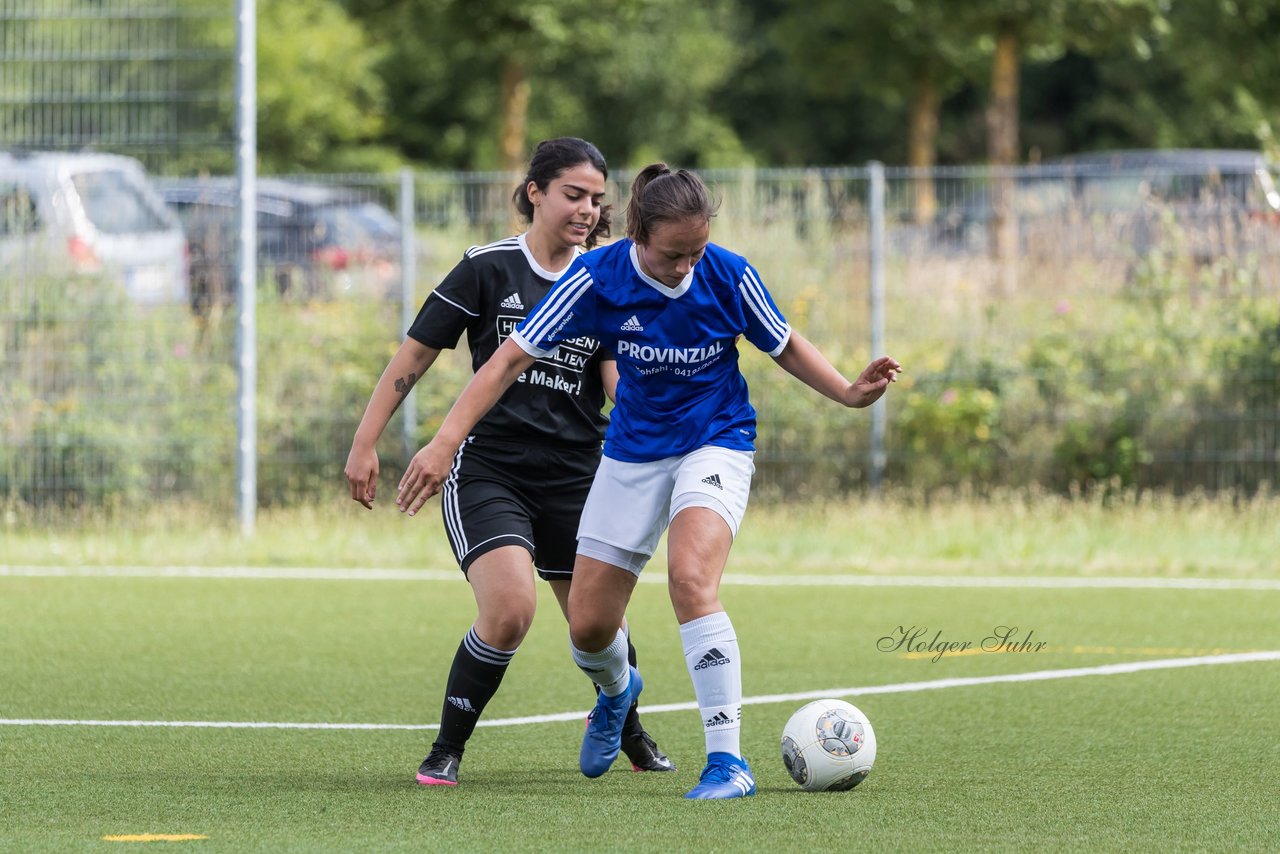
(147, 78)
(106, 399)
(1063, 325)
(1134, 343)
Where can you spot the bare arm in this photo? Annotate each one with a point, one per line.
(806, 363)
(430, 466)
(404, 370)
(609, 376)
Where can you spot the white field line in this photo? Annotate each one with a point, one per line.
(866, 691)
(731, 578)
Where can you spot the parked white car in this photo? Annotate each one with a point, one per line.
(65, 214)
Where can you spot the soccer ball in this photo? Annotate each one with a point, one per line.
(828, 746)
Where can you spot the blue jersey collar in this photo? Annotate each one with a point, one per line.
(673, 293)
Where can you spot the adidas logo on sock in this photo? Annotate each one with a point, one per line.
(714, 658)
(718, 719)
(714, 480)
(632, 325)
(462, 703)
(512, 301)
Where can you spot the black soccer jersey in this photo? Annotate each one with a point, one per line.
(557, 401)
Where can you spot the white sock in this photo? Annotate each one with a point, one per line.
(711, 654)
(608, 668)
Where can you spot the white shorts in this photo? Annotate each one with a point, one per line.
(631, 504)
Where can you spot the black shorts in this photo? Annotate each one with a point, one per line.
(504, 494)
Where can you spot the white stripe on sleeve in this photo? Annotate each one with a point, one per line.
(753, 292)
(552, 310)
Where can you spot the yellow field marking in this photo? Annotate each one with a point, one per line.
(1084, 650)
(154, 837)
(949, 654)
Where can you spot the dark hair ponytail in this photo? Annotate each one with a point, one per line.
(660, 195)
(551, 159)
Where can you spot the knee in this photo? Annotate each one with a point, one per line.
(505, 629)
(590, 634)
(690, 593)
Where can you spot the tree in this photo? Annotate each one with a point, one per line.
(1044, 29)
(1225, 52)
(321, 105)
(885, 48)
(473, 84)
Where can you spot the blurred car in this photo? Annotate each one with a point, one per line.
(313, 241)
(90, 215)
(966, 216)
(1216, 202)
(1240, 178)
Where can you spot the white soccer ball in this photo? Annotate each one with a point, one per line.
(828, 746)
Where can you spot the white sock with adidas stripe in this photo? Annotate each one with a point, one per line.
(711, 654)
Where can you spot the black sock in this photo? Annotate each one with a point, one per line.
(631, 726)
(473, 680)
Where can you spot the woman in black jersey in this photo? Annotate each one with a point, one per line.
(519, 481)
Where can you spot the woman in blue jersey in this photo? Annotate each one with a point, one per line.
(678, 452)
(520, 480)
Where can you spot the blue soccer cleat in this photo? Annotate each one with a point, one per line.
(726, 776)
(603, 738)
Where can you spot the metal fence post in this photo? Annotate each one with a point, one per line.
(408, 308)
(247, 258)
(879, 415)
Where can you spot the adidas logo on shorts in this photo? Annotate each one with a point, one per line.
(713, 658)
(714, 480)
(632, 325)
(462, 703)
(512, 301)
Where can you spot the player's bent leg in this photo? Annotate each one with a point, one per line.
(502, 582)
(598, 601)
(506, 595)
(637, 745)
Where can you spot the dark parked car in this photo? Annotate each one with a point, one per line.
(313, 241)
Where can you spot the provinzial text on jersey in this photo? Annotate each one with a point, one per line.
(671, 355)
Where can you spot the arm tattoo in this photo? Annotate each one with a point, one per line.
(405, 385)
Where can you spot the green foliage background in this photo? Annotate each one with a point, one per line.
(1159, 384)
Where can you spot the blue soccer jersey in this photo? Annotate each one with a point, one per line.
(679, 385)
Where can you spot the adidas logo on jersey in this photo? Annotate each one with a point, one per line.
(714, 658)
(714, 480)
(718, 719)
(512, 301)
(462, 703)
(632, 325)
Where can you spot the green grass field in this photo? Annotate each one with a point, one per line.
(1170, 758)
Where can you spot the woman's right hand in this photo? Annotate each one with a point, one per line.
(362, 474)
(424, 477)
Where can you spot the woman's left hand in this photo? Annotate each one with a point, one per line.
(875, 378)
